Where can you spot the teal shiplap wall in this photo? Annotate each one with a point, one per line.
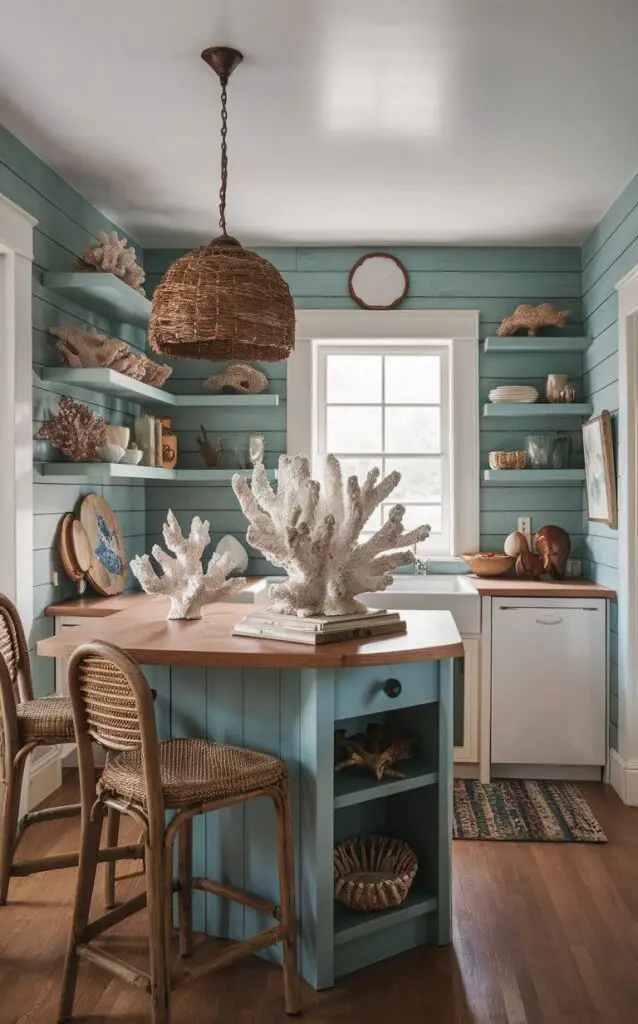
(492, 280)
(609, 253)
(66, 222)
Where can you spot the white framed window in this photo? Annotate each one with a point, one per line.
(353, 391)
(383, 403)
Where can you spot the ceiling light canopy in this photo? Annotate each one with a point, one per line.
(222, 301)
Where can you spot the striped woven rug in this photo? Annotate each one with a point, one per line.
(525, 811)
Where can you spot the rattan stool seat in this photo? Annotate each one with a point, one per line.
(46, 720)
(192, 772)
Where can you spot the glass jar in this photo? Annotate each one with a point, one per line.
(538, 448)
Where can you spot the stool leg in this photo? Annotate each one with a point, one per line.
(159, 898)
(112, 837)
(285, 861)
(89, 847)
(185, 892)
(9, 823)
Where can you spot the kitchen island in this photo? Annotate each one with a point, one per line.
(288, 700)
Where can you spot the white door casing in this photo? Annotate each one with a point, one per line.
(624, 765)
(16, 408)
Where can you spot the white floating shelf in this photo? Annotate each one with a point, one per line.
(537, 410)
(534, 477)
(110, 382)
(557, 343)
(102, 293)
(108, 472)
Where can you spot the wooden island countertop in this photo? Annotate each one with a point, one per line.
(139, 626)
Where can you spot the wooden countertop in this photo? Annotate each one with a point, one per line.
(513, 587)
(152, 640)
(94, 607)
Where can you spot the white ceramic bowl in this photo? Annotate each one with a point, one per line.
(118, 435)
(132, 457)
(110, 453)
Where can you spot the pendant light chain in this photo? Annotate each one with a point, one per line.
(224, 132)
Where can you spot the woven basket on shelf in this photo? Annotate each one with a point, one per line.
(373, 872)
(507, 460)
(222, 301)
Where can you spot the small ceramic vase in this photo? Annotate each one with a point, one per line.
(170, 445)
(554, 385)
(568, 394)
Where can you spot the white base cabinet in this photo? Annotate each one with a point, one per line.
(548, 681)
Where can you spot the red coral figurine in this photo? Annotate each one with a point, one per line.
(76, 430)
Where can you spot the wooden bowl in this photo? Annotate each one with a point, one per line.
(489, 563)
(373, 872)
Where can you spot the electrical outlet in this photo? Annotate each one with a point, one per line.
(55, 579)
(525, 527)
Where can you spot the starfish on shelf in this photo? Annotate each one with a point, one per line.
(377, 750)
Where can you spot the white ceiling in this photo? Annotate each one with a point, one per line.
(351, 121)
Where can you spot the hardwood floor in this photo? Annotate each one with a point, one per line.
(543, 934)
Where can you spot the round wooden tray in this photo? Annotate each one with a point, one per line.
(108, 568)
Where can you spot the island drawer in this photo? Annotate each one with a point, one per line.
(364, 691)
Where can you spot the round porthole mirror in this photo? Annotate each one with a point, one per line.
(378, 281)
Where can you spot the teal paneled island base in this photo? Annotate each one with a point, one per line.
(288, 700)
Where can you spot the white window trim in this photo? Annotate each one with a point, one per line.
(16, 408)
(461, 329)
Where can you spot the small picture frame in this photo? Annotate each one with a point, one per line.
(600, 474)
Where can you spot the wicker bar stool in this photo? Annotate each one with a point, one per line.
(27, 723)
(112, 704)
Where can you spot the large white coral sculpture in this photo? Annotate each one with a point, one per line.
(183, 578)
(314, 535)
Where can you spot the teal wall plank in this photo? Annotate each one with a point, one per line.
(609, 253)
(493, 280)
(67, 222)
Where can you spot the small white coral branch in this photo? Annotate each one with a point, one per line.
(113, 255)
(314, 535)
(183, 579)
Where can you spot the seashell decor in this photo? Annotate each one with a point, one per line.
(76, 430)
(532, 318)
(313, 534)
(183, 579)
(113, 255)
(87, 349)
(241, 377)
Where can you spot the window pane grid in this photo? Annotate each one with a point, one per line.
(414, 381)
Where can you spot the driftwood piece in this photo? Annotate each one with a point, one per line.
(113, 255)
(87, 349)
(213, 455)
(76, 430)
(240, 377)
(532, 318)
(377, 750)
(313, 533)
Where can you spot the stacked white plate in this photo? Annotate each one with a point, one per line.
(514, 393)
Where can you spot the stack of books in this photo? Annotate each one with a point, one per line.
(319, 629)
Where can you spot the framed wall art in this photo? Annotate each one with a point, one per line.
(600, 473)
(378, 280)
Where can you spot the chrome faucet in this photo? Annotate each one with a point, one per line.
(420, 566)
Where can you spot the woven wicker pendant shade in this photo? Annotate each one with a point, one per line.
(222, 301)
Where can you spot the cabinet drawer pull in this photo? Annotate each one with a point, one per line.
(392, 688)
(549, 622)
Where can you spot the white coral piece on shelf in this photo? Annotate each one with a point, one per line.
(313, 535)
(183, 579)
(113, 255)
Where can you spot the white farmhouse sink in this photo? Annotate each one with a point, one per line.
(450, 593)
(445, 593)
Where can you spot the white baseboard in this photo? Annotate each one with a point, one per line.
(623, 776)
(42, 778)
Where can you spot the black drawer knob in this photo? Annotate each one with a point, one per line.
(392, 688)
